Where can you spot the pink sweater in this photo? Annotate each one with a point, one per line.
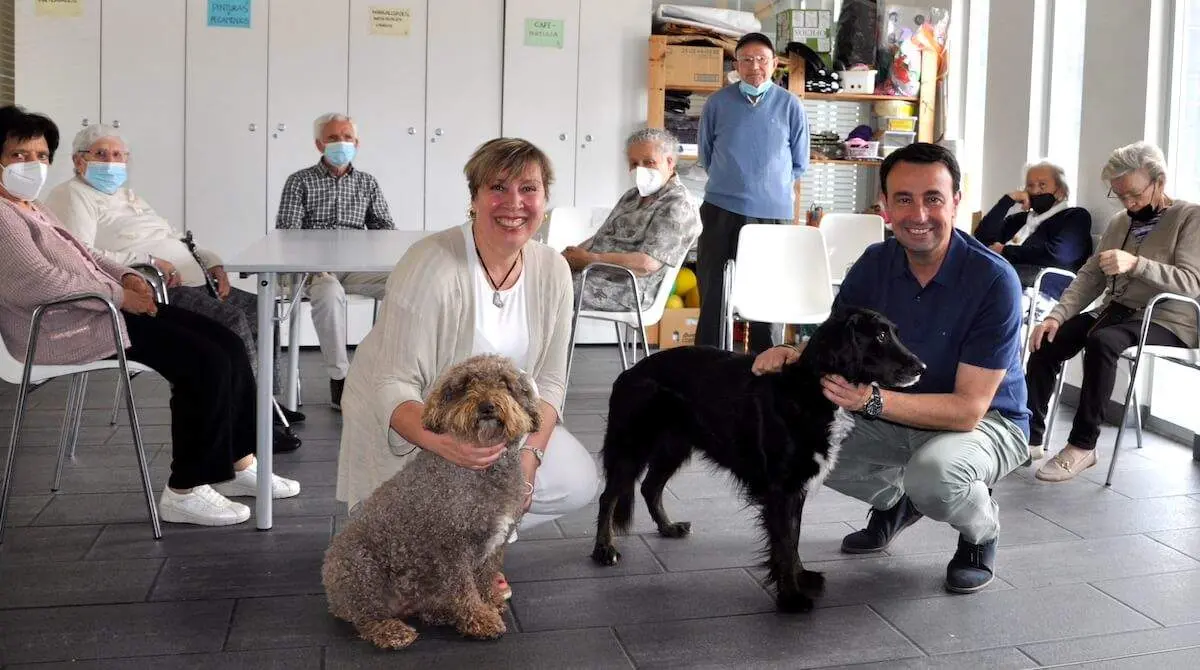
(42, 262)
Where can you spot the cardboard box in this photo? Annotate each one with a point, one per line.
(688, 66)
(812, 27)
(652, 335)
(678, 327)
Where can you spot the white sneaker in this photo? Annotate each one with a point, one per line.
(245, 483)
(203, 507)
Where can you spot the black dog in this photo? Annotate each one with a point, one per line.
(776, 433)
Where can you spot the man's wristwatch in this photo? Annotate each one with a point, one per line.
(539, 454)
(874, 406)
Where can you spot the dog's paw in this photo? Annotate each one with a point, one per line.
(605, 554)
(389, 634)
(483, 625)
(811, 582)
(793, 602)
(678, 529)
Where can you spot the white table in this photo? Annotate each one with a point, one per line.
(296, 252)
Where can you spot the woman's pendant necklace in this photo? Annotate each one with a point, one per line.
(497, 299)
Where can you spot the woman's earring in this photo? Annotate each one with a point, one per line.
(471, 214)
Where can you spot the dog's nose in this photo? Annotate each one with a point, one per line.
(487, 408)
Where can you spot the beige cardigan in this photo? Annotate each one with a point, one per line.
(427, 324)
(1168, 261)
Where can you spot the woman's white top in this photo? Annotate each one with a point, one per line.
(498, 330)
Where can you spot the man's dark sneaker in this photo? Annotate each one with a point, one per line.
(292, 417)
(284, 440)
(882, 528)
(972, 568)
(335, 393)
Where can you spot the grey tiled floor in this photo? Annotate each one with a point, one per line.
(1088, 576)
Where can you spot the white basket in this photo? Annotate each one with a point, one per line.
(858, 81)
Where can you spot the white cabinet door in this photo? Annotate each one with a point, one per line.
(58, 73)
(387, 100)
(462, 100)
(541, 81)
(613, 51)
(141, 93)
(226, 151)
(306, 78)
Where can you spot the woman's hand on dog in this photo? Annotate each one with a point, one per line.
(1045, 329)
(851, 397)
(773, 360)
(467, 455)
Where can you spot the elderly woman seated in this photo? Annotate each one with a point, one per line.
(105, 215)
(650, 229)
(212, 385)
(1150, 247)
(1036, 228)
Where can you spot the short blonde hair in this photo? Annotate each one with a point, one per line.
(505, 157)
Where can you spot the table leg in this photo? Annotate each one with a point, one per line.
(293, 360)
(263, 418)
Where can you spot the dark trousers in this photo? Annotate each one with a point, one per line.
(718, 244)
(212, 391)
(1101, 349)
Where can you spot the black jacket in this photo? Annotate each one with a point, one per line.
(1062, 241)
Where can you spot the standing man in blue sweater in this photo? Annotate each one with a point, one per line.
(754, 144)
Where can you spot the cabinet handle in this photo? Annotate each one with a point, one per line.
(412, 131)
(433, 139)
(281, 127)
(562, 136)
(253, 127)
(587, 138)
(438, 132)
(116, 123)
(84, 123)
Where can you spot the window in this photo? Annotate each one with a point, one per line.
(1065, 111)
(1184, 158)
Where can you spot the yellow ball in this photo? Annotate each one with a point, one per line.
(692, 297)
(674, 302)
(684, 281)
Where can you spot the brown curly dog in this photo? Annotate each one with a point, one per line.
(429, 541)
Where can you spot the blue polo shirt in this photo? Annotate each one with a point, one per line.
(970, 312)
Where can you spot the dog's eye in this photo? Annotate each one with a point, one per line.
(881, 337)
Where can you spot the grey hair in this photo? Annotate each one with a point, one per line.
(324, 120)
(85, 138)
(1136, 156)
(1060, 174)
(665, 139)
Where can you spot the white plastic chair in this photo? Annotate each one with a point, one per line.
(30, 377)
(1181, 355)
(780, 275)
(847, 236)
(569, 226)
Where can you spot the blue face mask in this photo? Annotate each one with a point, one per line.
(339, 154)
(105, 177)
(754, 90)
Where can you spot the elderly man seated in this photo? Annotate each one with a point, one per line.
(650, 229)
(111, 220)
(1036, 228)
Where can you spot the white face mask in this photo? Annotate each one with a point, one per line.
(648, 180)
(24, 180)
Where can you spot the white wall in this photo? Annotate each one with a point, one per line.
(1006, 109)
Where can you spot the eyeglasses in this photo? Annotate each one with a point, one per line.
(754, 60)
(1129, 197)
(108, 156)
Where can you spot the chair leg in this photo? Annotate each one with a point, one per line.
(1137, 418)
(641, 330)
(136, 428)
(621, 343)
(69, 424)
(1052, 415)
(112, 420)
(14, 437)
(279, 413)
(1130, 394)
(77, 419)
(571, 346)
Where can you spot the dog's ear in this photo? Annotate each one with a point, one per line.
(527, 397)
(433, 418)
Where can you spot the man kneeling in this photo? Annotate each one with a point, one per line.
(936, 448)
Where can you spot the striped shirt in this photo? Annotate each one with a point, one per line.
(314, 199)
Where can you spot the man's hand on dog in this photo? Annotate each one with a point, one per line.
(851, 397)
(773, 360)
